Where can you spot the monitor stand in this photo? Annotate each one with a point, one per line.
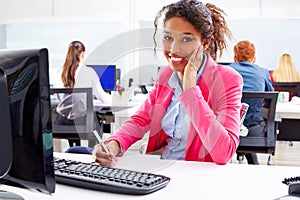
(4, 195)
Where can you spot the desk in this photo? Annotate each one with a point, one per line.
(121, 117)
(188, 179)
(116, 105)
(289, 127)
(288, 110)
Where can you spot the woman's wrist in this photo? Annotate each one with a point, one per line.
(116, 147)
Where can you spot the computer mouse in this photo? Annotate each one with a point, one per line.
(5, 195)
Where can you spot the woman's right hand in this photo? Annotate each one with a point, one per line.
(107, 158)
(192, 67)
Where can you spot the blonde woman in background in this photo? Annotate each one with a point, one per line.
(285, 71)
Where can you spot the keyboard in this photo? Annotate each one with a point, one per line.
(96, 177)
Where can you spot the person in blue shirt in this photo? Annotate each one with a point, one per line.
(255, 78)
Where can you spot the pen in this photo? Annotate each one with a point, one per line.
(95, 132)
(107, 151)
(104, 147)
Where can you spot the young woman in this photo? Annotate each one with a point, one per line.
(193, 111)
(76, 74)
(285, 70)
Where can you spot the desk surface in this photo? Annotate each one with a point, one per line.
(115, 106)
(289, 110)
(118, 105)
(188, 179)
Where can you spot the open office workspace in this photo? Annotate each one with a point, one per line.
(118, 36)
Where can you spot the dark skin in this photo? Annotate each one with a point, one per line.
(185, 59)
(183, 49)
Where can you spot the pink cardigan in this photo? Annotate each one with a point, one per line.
(213, 107)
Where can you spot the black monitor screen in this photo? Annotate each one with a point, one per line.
(28, 101)
(107, 76)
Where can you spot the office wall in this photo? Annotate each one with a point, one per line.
(55, 23)
(2, 36)
(32, 10)
(272, 38)
(29, 9)
(56, 36)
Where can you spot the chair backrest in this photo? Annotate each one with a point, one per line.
(292, 87)
(267, 143)
(75, 128)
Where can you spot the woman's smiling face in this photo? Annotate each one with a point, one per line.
(180, 40)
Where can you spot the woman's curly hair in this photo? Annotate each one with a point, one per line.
(207, 19)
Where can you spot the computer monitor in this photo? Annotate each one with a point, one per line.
(25, 120)
(107, 76)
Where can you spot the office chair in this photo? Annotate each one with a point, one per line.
(292, 87)
(263, 144)
(70, 124)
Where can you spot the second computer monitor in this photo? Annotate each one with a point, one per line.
(107, 76)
